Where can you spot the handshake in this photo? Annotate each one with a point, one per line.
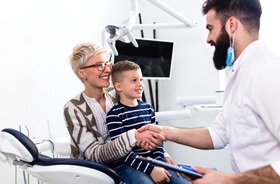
(150, 136)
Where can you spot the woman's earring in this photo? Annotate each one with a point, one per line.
(85, 78)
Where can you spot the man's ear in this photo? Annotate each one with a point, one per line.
(232, 25)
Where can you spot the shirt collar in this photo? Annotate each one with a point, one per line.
(242, 58)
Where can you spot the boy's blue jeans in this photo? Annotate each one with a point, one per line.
(130, 175)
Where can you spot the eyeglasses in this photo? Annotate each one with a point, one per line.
(100, 66)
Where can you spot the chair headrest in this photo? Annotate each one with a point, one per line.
(16, 143)
(19, 148)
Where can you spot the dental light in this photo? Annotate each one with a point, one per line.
(118, 33)
(124, 31)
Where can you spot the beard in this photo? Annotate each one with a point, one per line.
(221, 47)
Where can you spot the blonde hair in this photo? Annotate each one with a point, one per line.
(82, 53)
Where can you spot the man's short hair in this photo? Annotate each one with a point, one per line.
(248, 12)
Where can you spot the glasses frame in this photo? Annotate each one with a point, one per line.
(99, 65)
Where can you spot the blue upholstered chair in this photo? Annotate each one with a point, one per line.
(17, 149)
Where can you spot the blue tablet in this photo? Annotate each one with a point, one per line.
(188, 171)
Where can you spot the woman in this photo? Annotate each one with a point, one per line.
(85, 114)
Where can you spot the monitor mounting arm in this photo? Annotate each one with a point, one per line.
(125, 29)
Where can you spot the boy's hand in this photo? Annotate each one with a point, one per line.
(160, 175)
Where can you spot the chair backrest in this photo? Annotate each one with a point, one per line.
(20, 150)
(18, 146)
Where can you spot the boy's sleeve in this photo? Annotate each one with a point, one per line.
(114, 124)
(158, 153)
(138, 164)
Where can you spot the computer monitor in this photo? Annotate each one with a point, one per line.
(153, 56)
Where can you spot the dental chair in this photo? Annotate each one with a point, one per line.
(17, 149)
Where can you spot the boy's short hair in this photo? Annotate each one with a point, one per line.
(120, 67)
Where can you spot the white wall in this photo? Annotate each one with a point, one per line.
(36, 80)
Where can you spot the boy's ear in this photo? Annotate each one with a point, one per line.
(118, 86)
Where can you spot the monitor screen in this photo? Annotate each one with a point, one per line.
(153, 56)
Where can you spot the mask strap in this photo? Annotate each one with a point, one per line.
(230, 52)
(231, 40)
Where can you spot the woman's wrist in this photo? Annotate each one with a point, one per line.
(132, 136)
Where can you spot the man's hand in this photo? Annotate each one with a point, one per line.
(264, 174)
(152, 127)
(148, 140)
(154, 141)
(209, 176)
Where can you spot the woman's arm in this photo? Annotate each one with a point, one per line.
(86, 141)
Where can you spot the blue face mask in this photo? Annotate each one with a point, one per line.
(230, 52)
(230, 56)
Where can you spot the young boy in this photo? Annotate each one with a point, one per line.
(132, 113)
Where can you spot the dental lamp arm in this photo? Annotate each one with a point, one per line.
(129, 24)
(173, 13)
